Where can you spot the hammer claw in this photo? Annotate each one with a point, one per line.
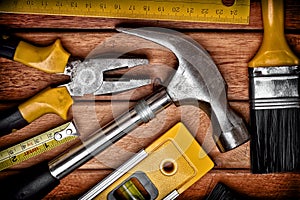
(198, 79)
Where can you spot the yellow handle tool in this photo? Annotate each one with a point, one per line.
(86, 77)
(274, 50)
(274, 77)
(51, 59)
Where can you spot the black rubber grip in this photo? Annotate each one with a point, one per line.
(11, 120)
(8, 46)
(33, 183)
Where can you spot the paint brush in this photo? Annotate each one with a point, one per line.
(274, 98)
(223, 192)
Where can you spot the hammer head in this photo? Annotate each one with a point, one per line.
(198, 78)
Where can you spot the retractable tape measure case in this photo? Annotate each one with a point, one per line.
(212, 11)
(163, 170)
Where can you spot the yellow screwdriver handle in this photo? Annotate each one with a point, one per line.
(274, 50)
(51, 59)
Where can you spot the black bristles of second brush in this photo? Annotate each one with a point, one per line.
(222, 192)
(275, 140)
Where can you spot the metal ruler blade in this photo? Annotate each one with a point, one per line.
(211, 11)
(37, 145)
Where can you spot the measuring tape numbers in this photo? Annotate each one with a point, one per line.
(37, 145)
(212, 11)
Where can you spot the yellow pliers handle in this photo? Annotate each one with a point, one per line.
(51, 59)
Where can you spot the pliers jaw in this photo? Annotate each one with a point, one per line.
(87, 77)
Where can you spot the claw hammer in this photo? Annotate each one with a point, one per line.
(196, 78)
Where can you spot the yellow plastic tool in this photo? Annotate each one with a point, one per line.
(170, 165)
(274, 50)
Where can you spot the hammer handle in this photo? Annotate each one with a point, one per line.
(39, 180)
(33, 183)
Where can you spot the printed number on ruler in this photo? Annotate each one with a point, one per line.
(212, 11)
(37, 145)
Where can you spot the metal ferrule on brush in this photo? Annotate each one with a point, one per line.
(274, 87)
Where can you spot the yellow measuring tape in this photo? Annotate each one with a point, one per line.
(212, 11)
(37, 145)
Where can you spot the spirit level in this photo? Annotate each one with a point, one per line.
(161, 171)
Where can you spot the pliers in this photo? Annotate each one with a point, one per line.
(86, 77)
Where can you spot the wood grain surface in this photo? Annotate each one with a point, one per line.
(230, 46)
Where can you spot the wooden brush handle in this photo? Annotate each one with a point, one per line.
(274, 50)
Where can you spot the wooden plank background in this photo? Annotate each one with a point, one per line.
(231, 47)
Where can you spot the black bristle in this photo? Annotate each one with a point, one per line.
(275, 140)
(222, 192)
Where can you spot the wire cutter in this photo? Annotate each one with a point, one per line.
(86, 77)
